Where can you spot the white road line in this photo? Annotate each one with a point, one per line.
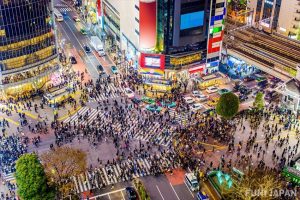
(160, 193)
(174, 191)
(122, 195)
(80, 45)
(109, 197)
(101, 195)
(64, 31)
(189, 189)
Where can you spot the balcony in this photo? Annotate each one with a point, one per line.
(30, 79)
(297, 19)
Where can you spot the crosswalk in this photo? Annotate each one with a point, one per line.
(139, 129)
(113, 92)
(181, 117)
(121, 171)
(65, 9)
(9, 177)
(60, 5)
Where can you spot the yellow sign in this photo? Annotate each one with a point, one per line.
(185, 59)
(2, 33)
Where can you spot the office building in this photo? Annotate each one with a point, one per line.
(28, 53)
(168, 39)
(282, 16)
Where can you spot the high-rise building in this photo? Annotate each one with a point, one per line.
(282, 16)
(28, 50)
(168, 39)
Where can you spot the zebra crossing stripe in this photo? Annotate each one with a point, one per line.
(79, 112)
(105, 176)
(88, 182)
(76, 184)
(116, 173)
(79, 183)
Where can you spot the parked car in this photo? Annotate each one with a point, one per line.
(136, 100)
(73, 60)
(87, 49)
(129, 93)
(114, 69)
(148, 100)
(188, 100)
(211, 89)
(196, 106)
(202, 97)
(76, 18)
(202, 196)
(223, 91)
(131, 194)
(154, 108)
(168, 104)
(196, 93)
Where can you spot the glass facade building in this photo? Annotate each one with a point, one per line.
(28, 51)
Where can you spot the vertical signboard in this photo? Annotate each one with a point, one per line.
(147, 24)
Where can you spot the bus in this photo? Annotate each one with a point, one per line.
(58, 15)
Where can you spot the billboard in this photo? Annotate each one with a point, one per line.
(152, 64)
(147, 38)
(191, 20)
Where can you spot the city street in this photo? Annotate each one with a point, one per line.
(147, 102)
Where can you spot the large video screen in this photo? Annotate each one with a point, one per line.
(191, 20)
(153, 62)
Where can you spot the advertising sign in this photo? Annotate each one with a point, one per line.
(147, 22)
(153, 64)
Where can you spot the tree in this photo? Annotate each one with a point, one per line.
(228, 105)
(259, 101)
(31, 179)
(254, 185)
(61, 164)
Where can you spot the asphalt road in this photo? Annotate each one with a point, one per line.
(70, 31)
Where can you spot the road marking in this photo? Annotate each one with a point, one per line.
(109, 197)
(65, 32)
(160, 193)
(122, 195)
(67, 115)
(105, 194)
(174, 191)
(11, 121)
(81, 46)
(189, 189)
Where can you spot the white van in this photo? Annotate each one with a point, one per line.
(191, 181)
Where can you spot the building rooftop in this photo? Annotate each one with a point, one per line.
(293, 85)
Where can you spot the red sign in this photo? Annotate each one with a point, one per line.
(99, 8)
(147, 24)
(196, 69)
(154, 61)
